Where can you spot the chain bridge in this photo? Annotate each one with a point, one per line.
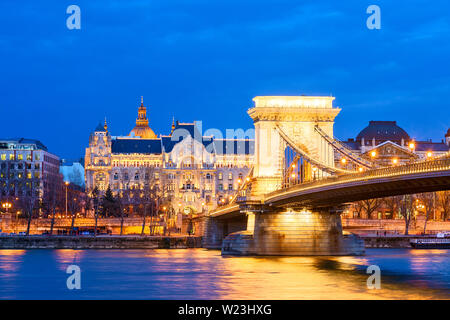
(290, 203)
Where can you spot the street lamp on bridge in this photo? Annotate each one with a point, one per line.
(6, 206)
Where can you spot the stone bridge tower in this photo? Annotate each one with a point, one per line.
(296, 116)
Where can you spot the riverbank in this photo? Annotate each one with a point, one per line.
(99, 242)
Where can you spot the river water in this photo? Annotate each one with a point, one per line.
(203, 274)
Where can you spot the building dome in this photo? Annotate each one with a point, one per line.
(383, 131)
(142, 129)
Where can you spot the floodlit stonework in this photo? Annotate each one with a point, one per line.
(194, 171)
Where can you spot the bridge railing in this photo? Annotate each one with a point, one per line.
(388, 172)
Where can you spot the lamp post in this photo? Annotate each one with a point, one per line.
(6, 206)
(66, 183)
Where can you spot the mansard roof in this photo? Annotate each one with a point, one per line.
(21, 141)
(431, 146)
(234, 146)
(144, 146)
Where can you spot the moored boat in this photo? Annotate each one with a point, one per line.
(430, 243)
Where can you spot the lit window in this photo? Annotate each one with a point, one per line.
(220, 176)
(11, 156)
(20, 156)
(230, 176)
(3, 157)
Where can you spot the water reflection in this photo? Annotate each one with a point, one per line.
(202, 274)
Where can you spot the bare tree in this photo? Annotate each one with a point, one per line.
(392, 204)
(30, 200)
(368, 206)
(52, 198)
(74, 204)
(407, 210)
(94, 198)
(444, 203)
(427, 200)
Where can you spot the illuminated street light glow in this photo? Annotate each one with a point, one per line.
(373, 154)
(344, 161)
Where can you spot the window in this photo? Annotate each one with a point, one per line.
(230, 176)
(230, 186)
(136, 176)
(208, 176)
(116, 176)
(20, 166)
(20, 156)
(156, 175)
(220, 177)
(36, 175)
(3, 157)
(28, 175)
(11, 157)
(36, 165)
(29, 156)
(37, 157)
(220, 187)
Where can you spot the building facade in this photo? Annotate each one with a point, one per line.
(386, 144)
(194, 172)
(27, 169)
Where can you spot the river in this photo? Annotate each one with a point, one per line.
(203, 274)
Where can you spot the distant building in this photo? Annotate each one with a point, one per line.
(196, 172)
(27, 168)
(73, 172)
(387, 144)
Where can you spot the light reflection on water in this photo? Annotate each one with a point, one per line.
(202, 274)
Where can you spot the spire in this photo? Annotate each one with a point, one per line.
(142, 101)
(105, 126)
(173, 124)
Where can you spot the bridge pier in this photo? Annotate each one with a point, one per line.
(305, 232)
(293, 232)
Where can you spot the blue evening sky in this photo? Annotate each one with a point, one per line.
(206, 59)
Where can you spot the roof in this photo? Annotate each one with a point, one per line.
(234, 146)
(383, 131)
(146, 146)
(352, 145)
(431, 146)
(100, 128)
(39, 145)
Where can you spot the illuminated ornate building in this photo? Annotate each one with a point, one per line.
(194, 171)
(386, 144)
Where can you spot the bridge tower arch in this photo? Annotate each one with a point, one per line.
(283, 120)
